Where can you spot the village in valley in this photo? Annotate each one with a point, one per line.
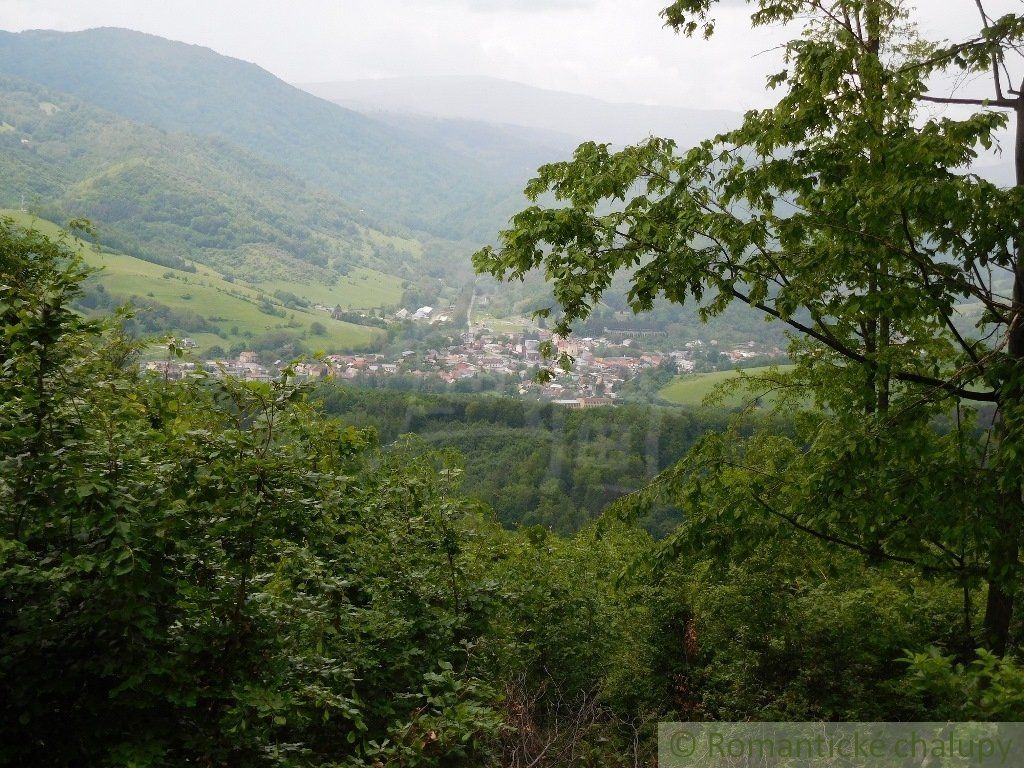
(600, 366)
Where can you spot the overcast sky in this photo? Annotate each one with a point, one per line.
(612, 49)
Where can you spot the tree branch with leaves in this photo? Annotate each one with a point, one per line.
(849, 214)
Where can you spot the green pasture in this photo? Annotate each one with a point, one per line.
(233, 307)
(693, 388)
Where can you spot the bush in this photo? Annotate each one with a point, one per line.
(250, 585)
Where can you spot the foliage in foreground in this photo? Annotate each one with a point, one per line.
(207, 570)
(846, 214)
(213, 573)
(210, 572)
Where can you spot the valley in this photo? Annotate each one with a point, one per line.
(435, 384)
(225, 226)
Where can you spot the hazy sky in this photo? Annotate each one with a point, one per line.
(612, 49)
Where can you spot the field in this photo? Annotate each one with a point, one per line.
(692, 389)
(504, 324)
(360, 289)
(234, 307)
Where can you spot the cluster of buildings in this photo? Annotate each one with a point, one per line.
(592, 381)
(246, 367)
(426, 314)
(601, 365)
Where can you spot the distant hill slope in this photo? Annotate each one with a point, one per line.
(388, 171)
(501, 101)
(507, 151)
(212, 310)
(167, 196)
(552, 118)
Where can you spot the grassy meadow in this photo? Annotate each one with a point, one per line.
(234, 307)
(692, 389)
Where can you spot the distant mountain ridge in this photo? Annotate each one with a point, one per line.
(562, 119)
(498, 101)
(372, 165)
(165, 196)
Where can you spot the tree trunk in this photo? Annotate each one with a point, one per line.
(1005, 553)
(877, 337)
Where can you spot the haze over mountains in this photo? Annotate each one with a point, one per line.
(177, 87)
(567, 118)
(180, 154)
(553, 120)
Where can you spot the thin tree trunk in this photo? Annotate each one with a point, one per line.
(1005, 554)
(878, 332)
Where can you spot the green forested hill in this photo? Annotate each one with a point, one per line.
(166, 196)
(538, 463)
(381, 168)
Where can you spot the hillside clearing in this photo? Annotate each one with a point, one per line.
(232, 308)
(693, 388)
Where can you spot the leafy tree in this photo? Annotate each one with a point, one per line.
(988, 688)
(844, 213)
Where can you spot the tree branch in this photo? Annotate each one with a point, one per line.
(912, 245)
(997, 102)
(860, 548)
(995, 59)
(851, 354)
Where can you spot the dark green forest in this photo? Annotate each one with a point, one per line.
(536, 464)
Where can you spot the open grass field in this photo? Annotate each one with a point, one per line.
(692, 389)
(360, 289)
(504, 324)
(234, 307)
